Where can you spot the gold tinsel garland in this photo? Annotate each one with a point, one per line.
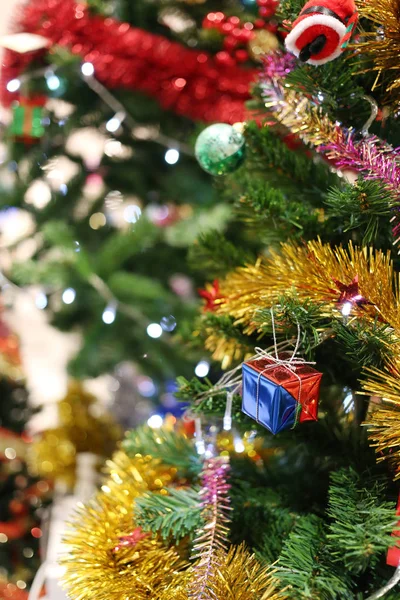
(384, 419)
(381, 47)
(99, 567)
(302, 117)
(309, 271)
(240, 577)
(53, 452)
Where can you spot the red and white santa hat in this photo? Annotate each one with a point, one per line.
(322, 30)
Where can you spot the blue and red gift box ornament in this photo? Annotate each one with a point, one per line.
(281, 391)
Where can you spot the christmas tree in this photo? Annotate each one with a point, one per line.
(100, 169)
(22, 496)
(283, 485)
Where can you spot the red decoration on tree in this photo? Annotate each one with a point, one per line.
(130, 541)
(322, 30)
(393, 555)
(189, 82)
(211, 294)
(350, 293)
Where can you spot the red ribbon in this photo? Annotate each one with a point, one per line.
(188, 82)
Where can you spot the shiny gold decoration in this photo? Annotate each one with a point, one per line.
(381, 47)
(262, 43)
(224, 350)
(310, 271)
(239, 577)
(383, 421)
(53, 453)
(96, 568)
(295, 112)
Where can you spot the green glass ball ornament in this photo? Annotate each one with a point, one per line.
(220, 149)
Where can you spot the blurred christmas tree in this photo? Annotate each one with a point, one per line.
(21, 496)
(105, 99)
(307, 268)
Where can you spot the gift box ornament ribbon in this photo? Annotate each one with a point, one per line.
(280, 391)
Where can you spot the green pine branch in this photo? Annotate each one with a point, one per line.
(173, 516)
(305, 564)
(362, 521)
(169, 447)
(364, 208)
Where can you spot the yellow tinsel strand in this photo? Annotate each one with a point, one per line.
(310, 271)
(53, 452)
(239, 577)
(382, 47)
(301, 117)
(97, 566)
(384, 421)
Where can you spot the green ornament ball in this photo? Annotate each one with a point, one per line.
(220, 149)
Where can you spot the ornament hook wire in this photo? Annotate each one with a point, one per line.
(372, 117)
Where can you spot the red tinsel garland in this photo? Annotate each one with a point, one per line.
(186, 81)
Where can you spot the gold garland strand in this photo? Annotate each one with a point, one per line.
(239, 577)
(53, 452)
(98, 566)
(384, 419)
(310, 271)
(381, 47)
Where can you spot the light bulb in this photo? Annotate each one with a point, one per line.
(132, 213)
(41, 300)
(87, 69)
(69, 296)
(155, 421)
(13, 85)
(346, 309)
(238, 444)
(202, 368)
(172, 156)
(154, 330)
(53, 82)
(109, 314)
(113, 124)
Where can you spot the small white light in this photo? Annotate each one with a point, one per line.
(109, 314)
(168, 323)
(113, 124)
(87, 69)
(348, 403)
(154, 330)
(155, 421)
(146, 387)
(63, 189)
(132, 213)
(13, 85)
(41, 300)
(69, 296)
(172, 156)
(202, 368)
(346, 309)
(53, 82)
(238, 444)
(200, 447)
(10, 453)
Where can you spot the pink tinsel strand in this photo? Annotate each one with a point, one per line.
(213, 535)
(374, 159)
(277, 65)
(371, 156)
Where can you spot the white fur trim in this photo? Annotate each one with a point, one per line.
(316, 19)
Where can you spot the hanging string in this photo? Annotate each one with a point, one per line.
(393, 581)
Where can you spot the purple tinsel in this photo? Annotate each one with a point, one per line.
(374, 159)
(277, 65)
